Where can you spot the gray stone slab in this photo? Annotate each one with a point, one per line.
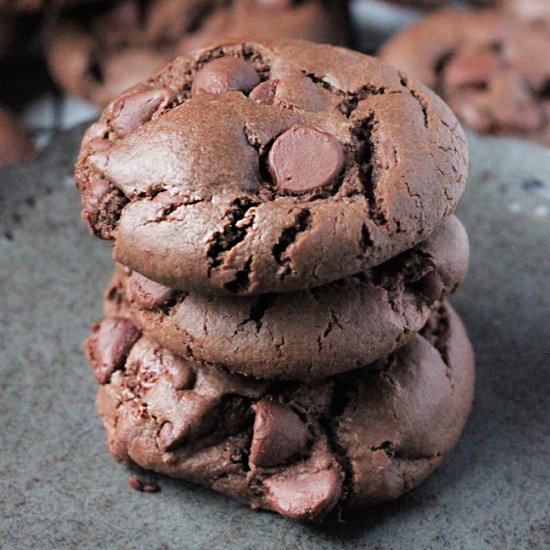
(60, 489)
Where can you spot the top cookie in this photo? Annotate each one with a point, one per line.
(249, 168)
(98, 55)
(492, 68)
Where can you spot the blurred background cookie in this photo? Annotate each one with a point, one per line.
(376, 21)
(492, 69)
(96, 54)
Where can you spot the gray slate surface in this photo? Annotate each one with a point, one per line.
(60, 489)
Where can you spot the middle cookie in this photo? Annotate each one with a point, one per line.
(301, 335)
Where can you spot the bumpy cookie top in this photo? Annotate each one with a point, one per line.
(302, 450)
(250, 168)
(490, 67)
(99, 54)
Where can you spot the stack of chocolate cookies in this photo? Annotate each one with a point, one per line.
(277, 327)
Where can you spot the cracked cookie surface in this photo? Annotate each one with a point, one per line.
(490, 66)
(199, 189)
(306, 334)
(303, 450)
(99, 53)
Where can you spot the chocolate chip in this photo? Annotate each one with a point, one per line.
(131, 111)
(169, 437)
(181, 373)
(224, 74)
(147, 293)
(157, 360)
(279, 434)
(307, 496)
(264, 93)
(303, 159)
(165, 435)
(142, 485)
(109, 344)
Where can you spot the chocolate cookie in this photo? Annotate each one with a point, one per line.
(253, 168)
(15, 143)
(99, 55)
(302, 450)
(491, 68)
(307, 334)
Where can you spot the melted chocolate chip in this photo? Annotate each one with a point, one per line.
(130, 112)
(265, 92)
(157, 360)
(225, 74)
(169, 437)
(306, 496)
(279, 434)
(109, 345)
(303, 159)
(179, 370)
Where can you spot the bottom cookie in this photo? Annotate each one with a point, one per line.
(306, 451)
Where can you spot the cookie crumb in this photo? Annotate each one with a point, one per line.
(142, 485)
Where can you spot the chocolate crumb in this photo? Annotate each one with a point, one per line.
(143, 485)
